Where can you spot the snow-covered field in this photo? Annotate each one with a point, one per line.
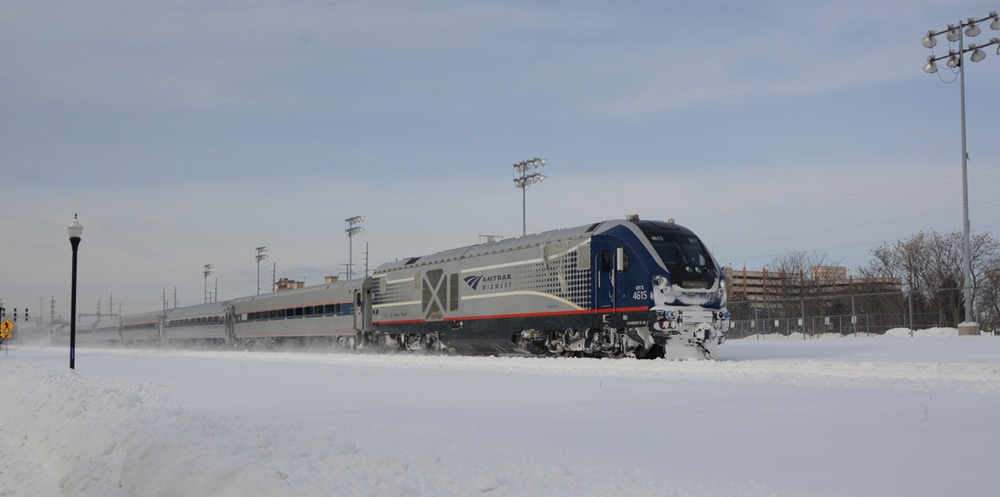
(865, 416)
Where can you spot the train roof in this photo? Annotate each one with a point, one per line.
(208, 309)
(532, 240)
(297, 291)
(145, 317)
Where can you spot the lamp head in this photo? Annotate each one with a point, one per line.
(929, 41)
(75, 229)
(972, 30)
(954, 33)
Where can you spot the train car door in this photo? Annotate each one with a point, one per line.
(363, 307)
(604, 252)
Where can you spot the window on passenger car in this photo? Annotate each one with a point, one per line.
(299, 311)
(331, 308)
(308, 311)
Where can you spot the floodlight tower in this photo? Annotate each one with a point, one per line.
(525, 180)
(260, 256)
(956, 59)
(208, 271)
(352, 229)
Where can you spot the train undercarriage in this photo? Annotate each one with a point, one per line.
(618, 343)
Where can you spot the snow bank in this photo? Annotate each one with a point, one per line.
(767, 419)
(77, 436)
(926, 333)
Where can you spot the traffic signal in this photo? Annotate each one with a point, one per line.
(15, 314)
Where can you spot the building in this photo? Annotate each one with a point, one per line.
(765, 286)
(287, 284)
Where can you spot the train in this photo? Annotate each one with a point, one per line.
(610, 289)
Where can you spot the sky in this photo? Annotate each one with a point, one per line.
(186, 133)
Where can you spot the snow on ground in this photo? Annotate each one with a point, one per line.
(773, 416)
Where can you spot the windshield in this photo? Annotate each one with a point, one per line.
(686, 258)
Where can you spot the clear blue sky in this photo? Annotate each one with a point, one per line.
(187, 133)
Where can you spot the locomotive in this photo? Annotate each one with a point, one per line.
(621, 288)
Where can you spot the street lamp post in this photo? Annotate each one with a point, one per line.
(956, 59)
(260, 256)
(75, 233)
(352, 229)
(525, 180)
(208, 271)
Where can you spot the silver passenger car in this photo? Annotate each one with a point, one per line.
(205, 322)
(319, 311)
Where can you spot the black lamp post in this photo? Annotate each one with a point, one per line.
(75, 232)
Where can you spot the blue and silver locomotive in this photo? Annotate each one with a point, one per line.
(626, 288)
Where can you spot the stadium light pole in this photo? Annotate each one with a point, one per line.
(525, 180)
(352, 229)
(260, 256)
(208, 271)
(75, 234)
(956, 59)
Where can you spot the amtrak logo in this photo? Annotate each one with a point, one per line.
(493, 282)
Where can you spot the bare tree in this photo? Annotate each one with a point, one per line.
(930, 265)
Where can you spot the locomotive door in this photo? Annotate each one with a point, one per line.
(604, 261)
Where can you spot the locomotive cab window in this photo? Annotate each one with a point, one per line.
(605, 261)
(686, 259)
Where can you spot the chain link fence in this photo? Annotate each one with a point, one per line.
(871, 313)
